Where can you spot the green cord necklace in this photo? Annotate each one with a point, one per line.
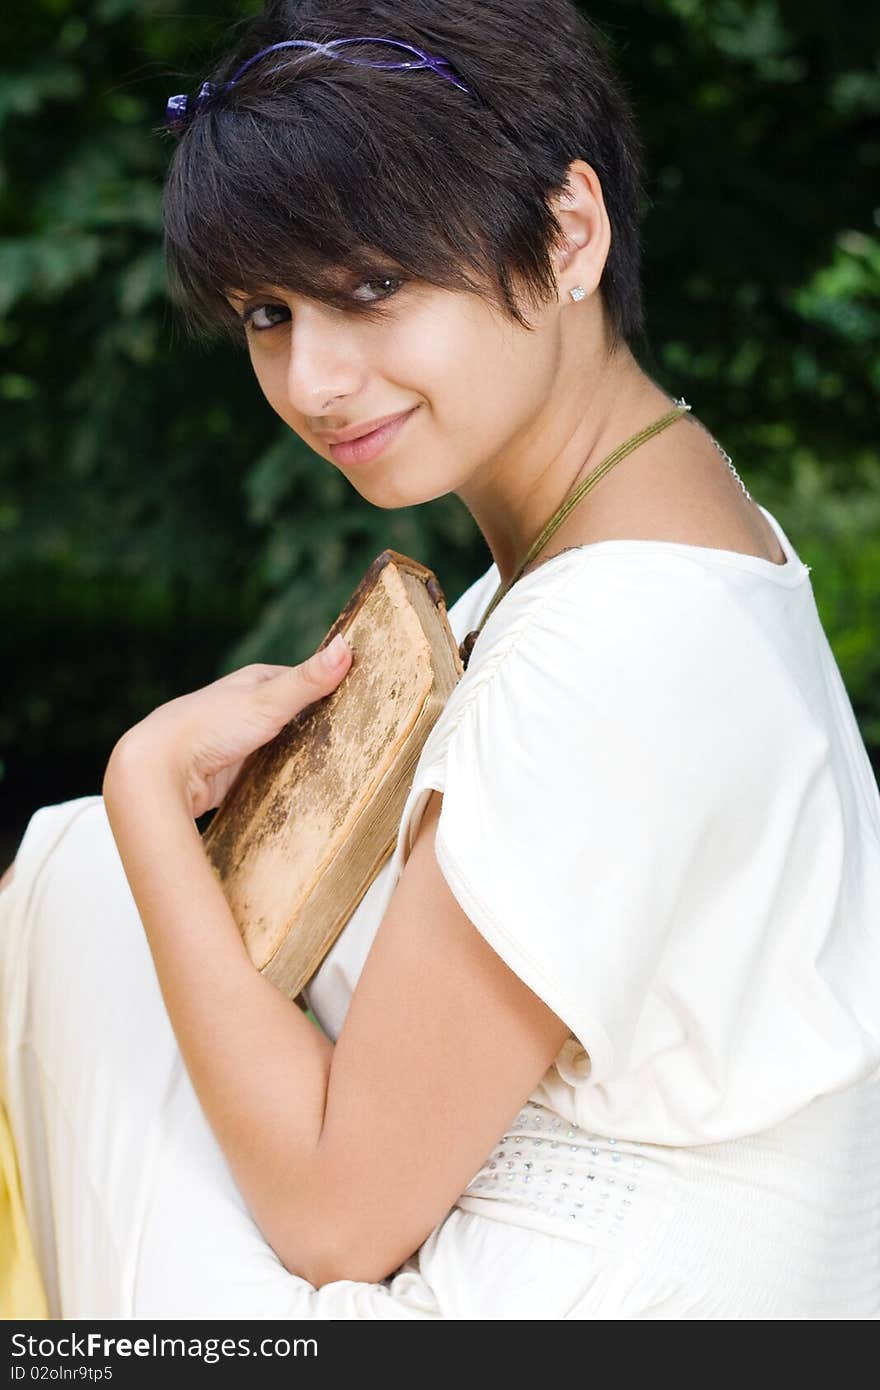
(680, 408)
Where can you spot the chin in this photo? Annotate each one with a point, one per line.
(393, 487)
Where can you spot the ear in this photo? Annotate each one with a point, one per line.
(583, 248)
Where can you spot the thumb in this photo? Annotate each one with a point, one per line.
(326, 666)
(295, 687)
(320, 671)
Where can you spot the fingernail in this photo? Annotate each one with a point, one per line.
(335, 654)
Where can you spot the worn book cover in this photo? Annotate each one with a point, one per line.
(314, 814)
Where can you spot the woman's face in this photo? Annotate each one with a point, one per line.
(472, 377)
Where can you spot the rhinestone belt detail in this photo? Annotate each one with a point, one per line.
(582, 1182)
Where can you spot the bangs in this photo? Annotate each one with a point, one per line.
(331, 175)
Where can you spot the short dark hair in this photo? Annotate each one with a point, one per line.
(312, 174)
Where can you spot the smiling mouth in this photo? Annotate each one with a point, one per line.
(349, 436)
(369, 446)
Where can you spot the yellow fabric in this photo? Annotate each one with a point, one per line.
(21, 1286)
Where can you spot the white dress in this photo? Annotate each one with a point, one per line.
(659, 810)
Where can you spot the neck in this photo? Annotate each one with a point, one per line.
(589, 413)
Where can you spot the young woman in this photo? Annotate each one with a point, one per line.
(602, 1039)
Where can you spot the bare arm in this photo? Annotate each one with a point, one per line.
(259, 1066)
(347, 1154)
(8, 876)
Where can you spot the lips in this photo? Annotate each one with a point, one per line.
(369, 446)
(358, 431)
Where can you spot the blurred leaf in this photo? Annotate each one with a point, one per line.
(45, 266)
(26, 93)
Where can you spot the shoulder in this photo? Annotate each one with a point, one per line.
(586, 613)
(622, 674)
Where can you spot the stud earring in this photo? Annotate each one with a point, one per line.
(578, 293)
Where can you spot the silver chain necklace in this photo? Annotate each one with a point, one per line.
(723, 452)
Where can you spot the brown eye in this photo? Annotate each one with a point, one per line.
(251, 321)
(384, 280)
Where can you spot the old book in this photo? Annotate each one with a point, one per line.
(314, 814)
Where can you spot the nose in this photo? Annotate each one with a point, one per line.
(324, 365)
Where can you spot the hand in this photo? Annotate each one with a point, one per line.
(203, 738)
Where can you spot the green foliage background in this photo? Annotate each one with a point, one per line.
(159, 526)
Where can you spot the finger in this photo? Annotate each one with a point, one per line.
(328, 663)
(254, 674)
(317, 675)
(266, 672)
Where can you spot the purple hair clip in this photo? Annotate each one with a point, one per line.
(180, 110)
